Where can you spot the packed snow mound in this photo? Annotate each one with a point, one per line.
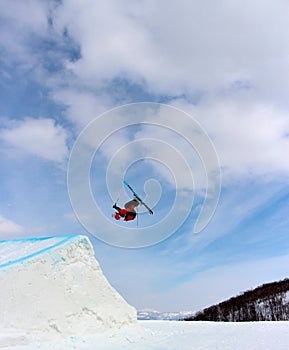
(54, 287)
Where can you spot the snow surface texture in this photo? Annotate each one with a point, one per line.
(176, 335)
(53, 288)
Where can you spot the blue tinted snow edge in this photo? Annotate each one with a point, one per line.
(35, 239)
(12, 262)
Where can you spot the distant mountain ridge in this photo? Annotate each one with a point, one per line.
(269, 302)
(148, 314)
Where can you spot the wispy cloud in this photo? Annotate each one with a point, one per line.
(8, 228)
(38, 137)
(245, 213)
(222, 282)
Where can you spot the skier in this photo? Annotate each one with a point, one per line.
(128, 213)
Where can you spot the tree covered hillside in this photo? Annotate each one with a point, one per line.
(269, 302)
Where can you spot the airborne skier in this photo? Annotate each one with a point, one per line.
(128, 213)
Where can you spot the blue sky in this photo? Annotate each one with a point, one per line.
(65, 63)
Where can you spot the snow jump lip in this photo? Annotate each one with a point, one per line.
(40, 245)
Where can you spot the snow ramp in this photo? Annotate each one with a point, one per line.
(53, 288)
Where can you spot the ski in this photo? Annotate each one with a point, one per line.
(138, 198)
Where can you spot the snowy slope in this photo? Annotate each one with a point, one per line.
(53, 288)
(174, 335)
(54, 296)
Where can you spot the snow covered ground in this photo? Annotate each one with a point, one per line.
(174, 335)
(54, 295)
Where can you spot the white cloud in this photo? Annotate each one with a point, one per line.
(250, 139)
(39, 137)
(82, 107)
(8, 228)
(21, 14)
(208, 45)
(187, 152)
(112, 41)
(21, 21)
(232, 53)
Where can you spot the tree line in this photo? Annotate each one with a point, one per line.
(269, 302)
